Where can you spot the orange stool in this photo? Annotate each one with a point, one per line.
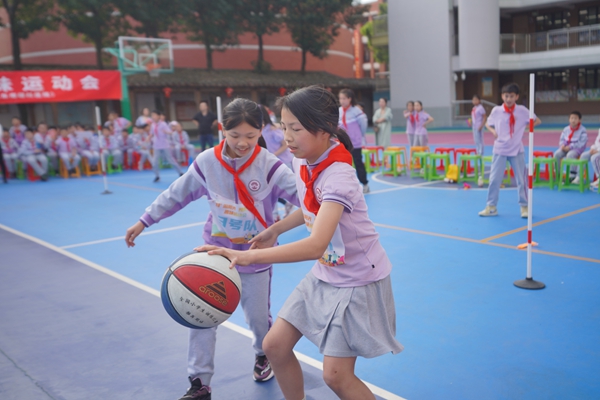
(87, 171)
(445, 150)
(62, 170)
(186, 158)
(416, 149)
(546, 174)
(457, 153)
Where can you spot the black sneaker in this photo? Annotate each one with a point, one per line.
(197, 391)
(156, 179)
(262, 369)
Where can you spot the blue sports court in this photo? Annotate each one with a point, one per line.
(81, 317)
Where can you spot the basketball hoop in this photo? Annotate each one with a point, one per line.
(153, 70)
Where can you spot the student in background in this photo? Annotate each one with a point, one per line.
(50, 147)
(422, 119)
(572, 142)
(17, 130)
(144, 119)
(31, 154)
(593, 155)
(117, 123)
(160, 143)
(180, 140)
(110, 147)
(206, 121)
(88, 146)
(66, 146)
(10, 154)
(409, 114)
(354, 122)
(382, 119)
(478, 119)
(126, 145)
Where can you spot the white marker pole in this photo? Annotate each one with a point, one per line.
(220, 118)
(528, 282)
(102, 163)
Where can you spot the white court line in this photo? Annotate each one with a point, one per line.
(112, 239)
(236, 328)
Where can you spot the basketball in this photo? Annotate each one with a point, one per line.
(200, 290)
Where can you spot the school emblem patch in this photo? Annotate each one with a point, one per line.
(319, 195)
(254, 185)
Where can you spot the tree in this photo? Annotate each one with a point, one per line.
(97, 21)
(261, 17)
(314, 24)
(380, 53)
(153, 16)
(211, 22)
(24, 18)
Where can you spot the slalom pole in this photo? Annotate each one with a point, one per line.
(528, 282)
(102, 162)
(220, 118)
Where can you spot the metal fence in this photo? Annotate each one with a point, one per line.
(517, 43)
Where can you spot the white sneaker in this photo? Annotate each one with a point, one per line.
(595, 183)
(524, 212)
(366, 189)
(576, 180)
(489, 211)
(480, 181)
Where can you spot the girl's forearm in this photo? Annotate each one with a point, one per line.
(288, 223)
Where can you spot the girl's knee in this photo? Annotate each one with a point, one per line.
(335, 379)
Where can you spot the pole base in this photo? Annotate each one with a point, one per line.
(529, 283)
(106, 192)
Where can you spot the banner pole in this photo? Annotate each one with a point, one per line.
(528, 282)
(102, 162)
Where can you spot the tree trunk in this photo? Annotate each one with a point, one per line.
(303, 68)
(16, 48)
(98, 45)
(209, 51)
(260, 50)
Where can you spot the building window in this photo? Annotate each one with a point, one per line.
(552, 80)
(551, 20)
(589, 78)
(185, 110)
(589, 16)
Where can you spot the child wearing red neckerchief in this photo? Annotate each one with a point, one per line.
(572, 142)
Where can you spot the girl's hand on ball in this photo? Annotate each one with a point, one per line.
(240, 258)
(264, 240)
(133, 232)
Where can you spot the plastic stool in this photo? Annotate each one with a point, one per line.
(371, 154)
(545, 174)
(584, 179)
(445, 150)
(433, 175)
(87, 171)
(465, 161)
(62, 170)
(416, 149)
(507, 172)
(458, 153)
(397, 161)
(109, 167)
(549, 175)
(423, 158)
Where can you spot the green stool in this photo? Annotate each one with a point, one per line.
(433, 175)
(20, 169)
(488, 159)
(396, 165)
(537, 166)
(477, 166)
(423, 158)
(51, 171)
(565, 165)
(109, 167)
(367, 153)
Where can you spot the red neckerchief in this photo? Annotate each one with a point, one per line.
(417, 117)
(107, 141)
(181, 138)
(66, 140)
(33, 146)
(243, 193)
(511, 111)
(572, 132)
(344, 109)
(337, 154)
(412, 117)
(473, 110)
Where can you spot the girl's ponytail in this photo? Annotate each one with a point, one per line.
(344, 139)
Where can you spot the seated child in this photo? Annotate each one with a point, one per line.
(50, 147)
(31, 154)
(143, 145)
(110, 147)
(67, 150)
(126, 145)
(17, 130)
(88, 146)
(573, 140)
(181, 140)
(10, 150)
(593, 155)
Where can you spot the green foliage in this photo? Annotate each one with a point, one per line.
(261, 17)
(152, 17)
(28, 16)
(380, 53)
(95, 21)
(211, 22)
(313, 24)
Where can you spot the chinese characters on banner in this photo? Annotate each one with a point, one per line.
(58, 86)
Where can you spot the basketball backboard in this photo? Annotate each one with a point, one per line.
(152, 55)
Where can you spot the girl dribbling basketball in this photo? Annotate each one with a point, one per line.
(242, 182)
(345, 304)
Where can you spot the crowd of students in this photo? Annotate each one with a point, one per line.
(44, 147)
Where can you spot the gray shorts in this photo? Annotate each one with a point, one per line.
(344, 322)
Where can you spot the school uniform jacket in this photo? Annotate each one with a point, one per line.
(267, 179)
(579, 140)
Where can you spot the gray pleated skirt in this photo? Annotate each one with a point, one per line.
(344, 322)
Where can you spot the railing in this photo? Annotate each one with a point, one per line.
(461, 109)
(517, 43)
(380, 25)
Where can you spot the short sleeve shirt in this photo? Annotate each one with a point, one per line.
(508, 144)
(205, 122)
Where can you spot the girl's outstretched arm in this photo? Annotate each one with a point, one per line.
(268, 237)
(311, 248)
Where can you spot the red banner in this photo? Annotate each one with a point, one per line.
(58, 86)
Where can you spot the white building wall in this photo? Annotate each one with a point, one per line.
(419, 44)
(478, 38)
